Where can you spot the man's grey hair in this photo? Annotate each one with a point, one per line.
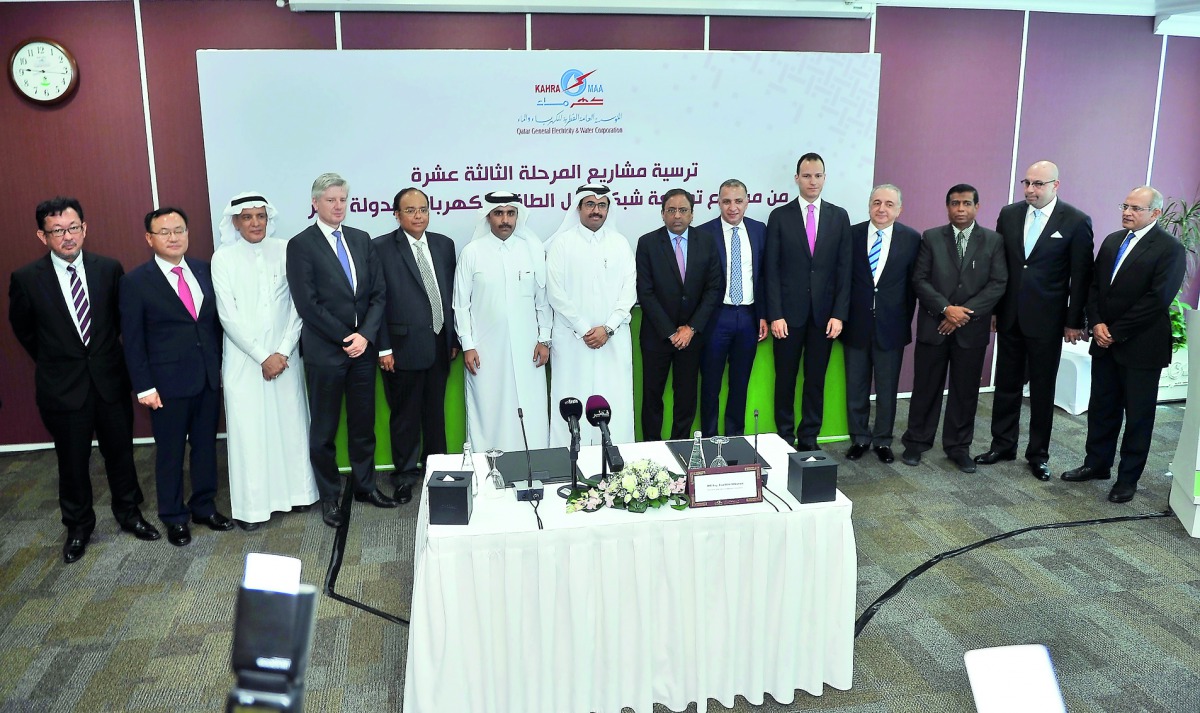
(326, 181)
(890, 187)
(1156, 198)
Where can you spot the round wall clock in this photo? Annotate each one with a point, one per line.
(43, 71)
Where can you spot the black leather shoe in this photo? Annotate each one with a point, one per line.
(807, 446)
(331, 513)
(911, 457)
(964, 462)
(141, 529)
(301, 508)
(216, 521)
(248, 526)
(1121, 493)
(74, 548)
(1083, 473)
(403, 494)
(376, 498)
(995, 457)
(857, 450)
(885, 454)
(1041, 471)
(179, 535)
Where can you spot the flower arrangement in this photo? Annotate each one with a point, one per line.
(641, 485)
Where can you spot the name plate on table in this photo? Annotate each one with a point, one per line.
(731, 485)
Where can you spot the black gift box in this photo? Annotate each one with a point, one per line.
(812, 476)
(450, 501)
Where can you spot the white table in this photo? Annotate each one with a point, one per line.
(610, 609)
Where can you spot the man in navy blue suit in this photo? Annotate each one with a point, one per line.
(740, 320)
(173, 351)
(882, 301)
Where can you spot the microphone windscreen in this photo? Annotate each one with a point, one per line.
(570, 407)
(598, 410)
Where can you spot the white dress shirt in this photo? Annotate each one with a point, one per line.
(64, 283)
(747, 262)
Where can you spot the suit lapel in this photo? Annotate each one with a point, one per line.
(406, 255)
(722, 254)
(972, 246)
(48, 283)
(166, 289)
(1145, 244)
(668, 249)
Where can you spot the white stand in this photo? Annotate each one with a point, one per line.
(1185, 481)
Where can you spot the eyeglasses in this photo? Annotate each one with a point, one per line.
(593, 205)
(59, 232)
(677, 211)
(424, 210)
(1036, 184)
(1135, 208)
(165, 233)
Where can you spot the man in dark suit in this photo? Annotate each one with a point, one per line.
(63, 310)
(678, 285)
(173, 349)
(337, 287)
(1048, 244)
(416, 340)
(808, 297)
(959, 278)
(739, 321)
(1138, 272)
(880, 325)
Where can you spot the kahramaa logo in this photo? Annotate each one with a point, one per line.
(573, 83)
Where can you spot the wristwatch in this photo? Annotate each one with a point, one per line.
(545, 343)
(608, 330)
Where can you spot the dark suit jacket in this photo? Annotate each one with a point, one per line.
(884, 311)
(668, 302)
(322, 294)
(940, 281)
(800, 285)
(408, 325)
(756, 231)
(1135, 305)
(1048, 291)
(165, 348)
(65, 369)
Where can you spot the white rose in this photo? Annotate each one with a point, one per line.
(652, 492)
(629, 481)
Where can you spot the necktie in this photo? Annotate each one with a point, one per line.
(735, 268)
(435, 297)
(962, 245)
(679, 256)
(1120, 254)
(876, 248)
(343, 257)
(185, 292)
(810, 229)
(83, 310)
(1035, 229)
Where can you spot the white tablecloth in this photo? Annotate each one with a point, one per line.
(610, 609)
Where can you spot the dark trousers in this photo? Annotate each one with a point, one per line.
(732, 337)
(112, 423)
(862, 366)
(684, 367)
(811, 343)
(1120, 391)
(353, 380)
(1018, 355)
(931, 362)
(191, 422)
(417, 399)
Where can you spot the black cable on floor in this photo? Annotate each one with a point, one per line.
(869, 612)
(335, 563)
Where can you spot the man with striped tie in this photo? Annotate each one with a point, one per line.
(63, 309)
(880, 325)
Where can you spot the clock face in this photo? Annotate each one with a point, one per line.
(43, 71)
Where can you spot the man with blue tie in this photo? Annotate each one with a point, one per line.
(740, 320)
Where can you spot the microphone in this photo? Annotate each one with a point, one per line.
(571, 409)
(762, 473)
(599, 414)
(530, 491)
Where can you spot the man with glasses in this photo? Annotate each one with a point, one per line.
(338, 291)
(63, 310)
(416, 340)
(678, 286)
(1138, 272)
(1048, 245)
(173, 349)
(591, 284)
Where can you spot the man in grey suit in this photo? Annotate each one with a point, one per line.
(959, 278)
(338, 290)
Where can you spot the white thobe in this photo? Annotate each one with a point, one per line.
(500, 310)
(267, 421)
(591, 280)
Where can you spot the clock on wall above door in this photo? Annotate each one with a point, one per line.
(43, 71)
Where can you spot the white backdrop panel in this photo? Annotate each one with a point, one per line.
(462, 123)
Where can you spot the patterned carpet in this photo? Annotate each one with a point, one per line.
(147, 627)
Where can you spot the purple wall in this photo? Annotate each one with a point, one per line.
(1177, 147)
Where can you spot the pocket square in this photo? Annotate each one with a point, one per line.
(1056, 234)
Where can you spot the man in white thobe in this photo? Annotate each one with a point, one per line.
(503, 322)
(266, 411)
(591, 282)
